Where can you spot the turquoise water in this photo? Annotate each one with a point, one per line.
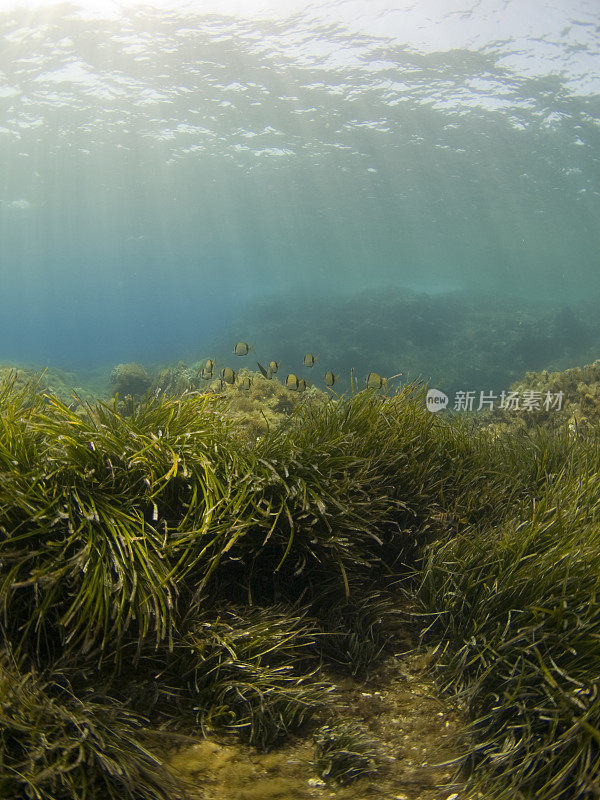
(176, 175)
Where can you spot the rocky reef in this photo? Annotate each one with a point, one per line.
(264, 404)
(252, 401)
(453, 340)
(131, 380)
(567, 399)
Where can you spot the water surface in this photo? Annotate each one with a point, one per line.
(164, 167)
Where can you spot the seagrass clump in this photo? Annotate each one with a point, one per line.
(92, 505)
(356, 631)
(519, 618)
(345, 751)
(55, 745)
(332, 490)
(253, 672)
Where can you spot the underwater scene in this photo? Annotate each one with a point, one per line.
(299, 400)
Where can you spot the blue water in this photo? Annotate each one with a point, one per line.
(165, 169)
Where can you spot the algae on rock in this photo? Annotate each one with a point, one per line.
(130, 379)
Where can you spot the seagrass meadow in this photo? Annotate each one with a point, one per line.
(246, 248)
(167, 579)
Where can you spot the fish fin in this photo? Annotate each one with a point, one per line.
(263, 370)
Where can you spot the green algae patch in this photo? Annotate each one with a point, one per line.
(227, 771)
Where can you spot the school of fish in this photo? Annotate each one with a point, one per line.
(292, 381)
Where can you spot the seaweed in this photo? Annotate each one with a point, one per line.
(54, 744)
(515, 609)
(345, 751)
(161, 569)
